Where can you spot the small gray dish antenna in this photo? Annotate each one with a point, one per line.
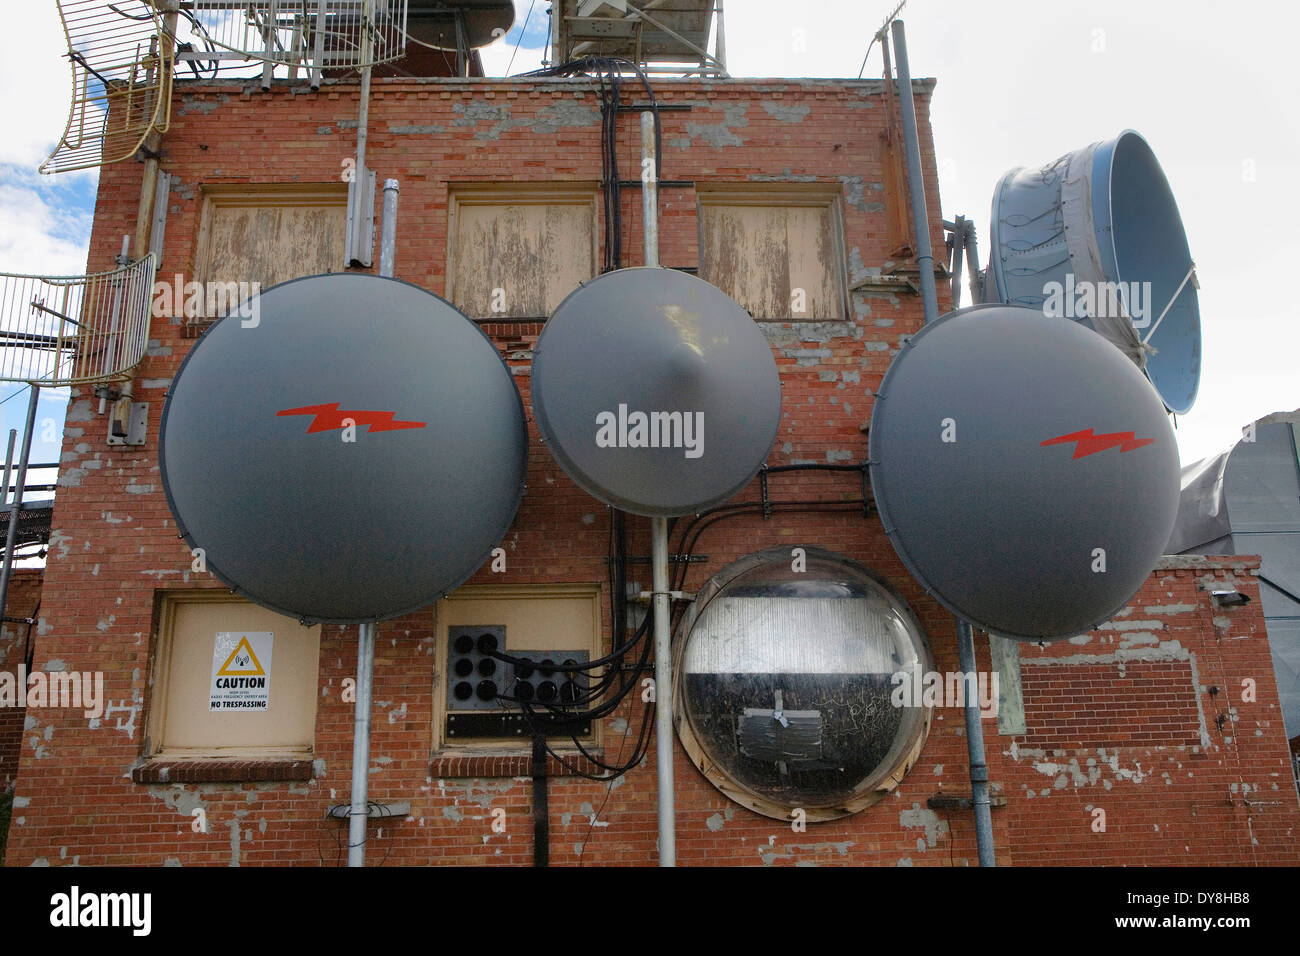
(656, 392)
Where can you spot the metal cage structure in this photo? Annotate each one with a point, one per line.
(121, 82)
(311, 35)
(73, 330)
(669, 37)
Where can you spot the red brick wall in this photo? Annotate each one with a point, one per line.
(1185, 769)
(23, 601)
(1112, 705)
(115, 543)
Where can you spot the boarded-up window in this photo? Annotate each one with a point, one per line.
(519, 250)
(189, 716)
(778, 251)
(270, 234)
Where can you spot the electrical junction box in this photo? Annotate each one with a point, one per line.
(485, 695)
(128, 424)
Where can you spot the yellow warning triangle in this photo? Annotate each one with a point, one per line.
(246, 663)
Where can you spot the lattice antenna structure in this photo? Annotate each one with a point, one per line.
(121, 81)
(308, 34)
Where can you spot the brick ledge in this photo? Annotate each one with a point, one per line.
(510, 765)
(221, 771)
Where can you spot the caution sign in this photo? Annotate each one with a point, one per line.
(241, 671)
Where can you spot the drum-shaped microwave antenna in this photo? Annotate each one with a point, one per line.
(1024, 470)
(343, 448)
(656, 392)
(1096, 236)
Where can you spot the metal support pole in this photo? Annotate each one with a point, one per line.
(973, 264)
(388, 229)
(650, 188)
(659, 550)
(12, 536)
(721, 46)
(958, 247)
(9, 465)
(979, 772)
(915, 179)
(361, 747)
(663, 693)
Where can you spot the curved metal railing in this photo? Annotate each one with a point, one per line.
(69, 330)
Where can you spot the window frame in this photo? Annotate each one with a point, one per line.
(167, 605)
(257, 196)
(477, 193)
(829, 196)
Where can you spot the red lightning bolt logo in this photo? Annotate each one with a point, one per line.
(328, 417)
(1089, 444)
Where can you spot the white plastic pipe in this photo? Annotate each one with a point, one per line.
(388, 229)
(649, 188)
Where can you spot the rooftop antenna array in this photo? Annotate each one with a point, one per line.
(121, 82)
(311, 35)
(663, 36)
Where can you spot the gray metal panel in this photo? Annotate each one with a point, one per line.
(1001, 525)
(1279, 569)
(307, 524)
(647, 341)
(1202, 522)
(1284, 640)
(1262, 483)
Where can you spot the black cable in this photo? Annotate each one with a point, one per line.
(19, 392)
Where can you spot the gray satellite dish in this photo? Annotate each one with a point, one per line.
(1104, 214)
(449, 24)
(258, 473)
(1010, 454)
(656, 392)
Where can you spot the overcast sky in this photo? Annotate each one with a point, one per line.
(1212, 86)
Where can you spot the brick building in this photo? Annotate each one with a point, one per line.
(1154, 740)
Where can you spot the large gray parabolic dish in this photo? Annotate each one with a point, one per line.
(656, 392)
(260, 473)
(1104, 214)
(1025, 471)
